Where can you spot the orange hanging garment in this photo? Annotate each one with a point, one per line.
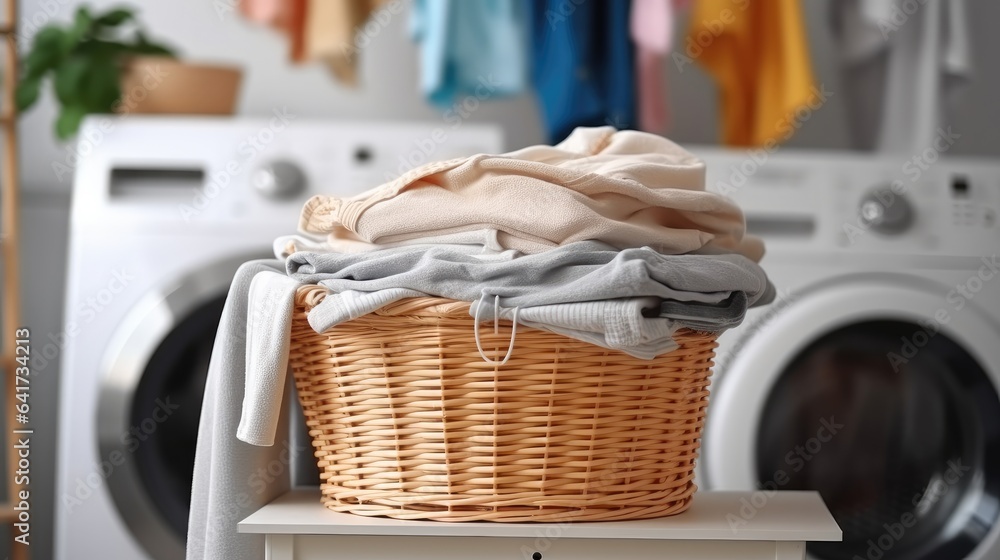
(756, 50)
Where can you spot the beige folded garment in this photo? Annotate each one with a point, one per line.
(627, 189)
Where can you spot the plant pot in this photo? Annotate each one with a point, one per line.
(162, 85)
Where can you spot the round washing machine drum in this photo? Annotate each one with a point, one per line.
(884, 399)
(150, 404)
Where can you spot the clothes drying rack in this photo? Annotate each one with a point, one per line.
(9, 239)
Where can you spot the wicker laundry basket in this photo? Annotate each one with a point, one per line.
(410, 422)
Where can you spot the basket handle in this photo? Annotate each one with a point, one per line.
(496, 329)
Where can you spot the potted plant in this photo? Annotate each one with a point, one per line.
(103, 63)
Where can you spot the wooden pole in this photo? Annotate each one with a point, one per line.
(9, 238)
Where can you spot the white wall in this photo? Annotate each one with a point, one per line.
(389, 75)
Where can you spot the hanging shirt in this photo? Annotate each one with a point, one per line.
(470, 49)
(582, 64)
(651, 27)
(287, 16)
(321, 30)
(331, 29)
(758, 55)
(902, 73)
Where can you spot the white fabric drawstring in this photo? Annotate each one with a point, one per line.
(496, 330)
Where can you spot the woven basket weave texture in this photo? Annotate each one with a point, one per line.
(408, 421)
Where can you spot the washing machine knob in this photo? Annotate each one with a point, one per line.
(278, 179)
(886, 211)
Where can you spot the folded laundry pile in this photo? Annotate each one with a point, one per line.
(627, 189)
(587, 290)
(608, 237)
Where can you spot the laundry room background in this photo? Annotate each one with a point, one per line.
(213, 30)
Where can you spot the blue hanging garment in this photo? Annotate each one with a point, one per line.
(582, 64)
(470, 48)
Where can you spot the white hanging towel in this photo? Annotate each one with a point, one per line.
(905, 63)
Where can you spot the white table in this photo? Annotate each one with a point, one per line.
(718, 526)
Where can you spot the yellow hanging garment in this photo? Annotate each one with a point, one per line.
(756, 50)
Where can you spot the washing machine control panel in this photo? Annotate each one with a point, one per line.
(810, 202)
(206, 175)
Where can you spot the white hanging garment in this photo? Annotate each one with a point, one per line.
(904, 65)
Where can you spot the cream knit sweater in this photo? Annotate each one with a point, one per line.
(627, 189)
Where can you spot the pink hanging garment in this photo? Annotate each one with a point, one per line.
(267, 12)
(287, 16)
(652, 31)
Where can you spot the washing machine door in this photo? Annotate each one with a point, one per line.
(150, 403)
(882, 396)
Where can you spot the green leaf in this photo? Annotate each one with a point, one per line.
(145, 46)
(98, 48)
(27, 93)
(115, 17)
(153, 49)
(102, 84)
(69, 121)
(46, 51)
(48, 38)
(83, 26)
(86, 59)
(69, 78)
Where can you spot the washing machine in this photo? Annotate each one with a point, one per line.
(873, 378)
(164, 211)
